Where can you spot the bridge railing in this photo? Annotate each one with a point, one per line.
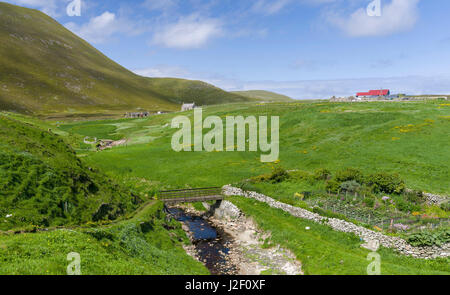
(190, 193)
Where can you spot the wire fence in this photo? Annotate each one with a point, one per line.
(382, 219)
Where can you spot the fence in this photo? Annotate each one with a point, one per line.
(383, 220)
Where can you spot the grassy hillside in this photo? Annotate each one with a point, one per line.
(46, 69)
(404, 138)
(43, 182)
(147, 244)
(262, 95)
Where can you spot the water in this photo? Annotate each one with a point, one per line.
(211, 244)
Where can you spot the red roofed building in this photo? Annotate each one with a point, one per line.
(373, 93)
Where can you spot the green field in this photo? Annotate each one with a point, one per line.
(404, 138)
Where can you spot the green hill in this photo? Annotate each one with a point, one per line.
(44, 183)
(45, 68)
(262, 95)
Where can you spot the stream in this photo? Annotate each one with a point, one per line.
(212, 244)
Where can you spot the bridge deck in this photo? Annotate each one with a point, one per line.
(191, 195)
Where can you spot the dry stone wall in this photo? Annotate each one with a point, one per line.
(341, 225)
(435, 199)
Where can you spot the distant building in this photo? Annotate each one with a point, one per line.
(137, 115)
(374, 93)
(187, 106)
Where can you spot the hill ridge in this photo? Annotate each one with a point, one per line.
(45, 69)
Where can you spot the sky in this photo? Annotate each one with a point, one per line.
(306, 49)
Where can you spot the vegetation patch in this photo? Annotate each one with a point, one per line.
(43, 183)
(324, 251)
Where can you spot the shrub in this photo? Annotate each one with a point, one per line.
(445, 206)
(301, 175)
(300, 196)
(404, 206)
(332, 186)
(370, 202)
(260, 178)
(438, 238)
(322, 174)
(349, 174)
(386, 183)
(350, 186)
(414, 197)
(278, 175)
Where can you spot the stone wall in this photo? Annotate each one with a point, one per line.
(435, 199)
(227, 210)
(340, 225)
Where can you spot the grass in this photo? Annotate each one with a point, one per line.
(47, 70)
(367, 136)
(146, 244)
(43, 182)
(324, 251)
(403, 138)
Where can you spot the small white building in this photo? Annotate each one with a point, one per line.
(187, 106)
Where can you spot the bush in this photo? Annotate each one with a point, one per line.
(260, 178)
(278, 175)
(445, 206)
(301, 175)
(332, 186)
(414, 197)
(350, 186)
(369, 201)
(322, 174)
(349, 174)
(386, 183)
(404, 206)
(438, 238)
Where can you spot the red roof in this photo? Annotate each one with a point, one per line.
(382, 92)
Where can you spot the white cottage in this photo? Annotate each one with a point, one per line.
(187, 106)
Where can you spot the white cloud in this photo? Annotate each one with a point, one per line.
(101, 28)
(189, 32)
(396, 16)
(163, 71)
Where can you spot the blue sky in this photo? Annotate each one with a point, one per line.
(302, 48)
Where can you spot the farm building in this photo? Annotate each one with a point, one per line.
(187, 106)
(137, 115)
(374, 93)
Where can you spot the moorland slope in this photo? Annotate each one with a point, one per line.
(46, 69)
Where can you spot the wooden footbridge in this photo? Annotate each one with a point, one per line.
(191, 195)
